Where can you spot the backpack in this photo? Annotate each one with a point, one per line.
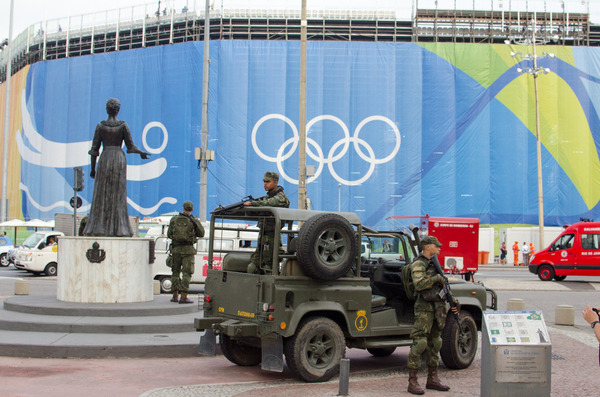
(407, 282)
(183, 231)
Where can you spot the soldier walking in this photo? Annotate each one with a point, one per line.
(430, 318)
(184, 230)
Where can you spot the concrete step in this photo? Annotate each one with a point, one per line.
(16, 321)
(49, 305)
(42, 326)
(77, 345)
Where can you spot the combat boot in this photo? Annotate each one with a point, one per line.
(184, 298)
(413, 384)
(433, 382)
(175, 297)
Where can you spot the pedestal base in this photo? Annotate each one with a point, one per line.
(116, 270)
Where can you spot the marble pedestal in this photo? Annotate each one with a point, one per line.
(104, 270)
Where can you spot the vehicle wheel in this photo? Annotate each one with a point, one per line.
(468, 276)
(381, 351)
(460, 342)
(315, 351)
(327, 247)
(50, 269)
(240, 353)
(546, 273)
(166, 287)
(3, 260)
(559, 278)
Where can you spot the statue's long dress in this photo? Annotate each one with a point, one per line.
(108, 213)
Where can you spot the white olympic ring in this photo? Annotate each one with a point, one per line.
(165, 137)
(332, 157)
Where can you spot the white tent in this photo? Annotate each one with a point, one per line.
(14, 223)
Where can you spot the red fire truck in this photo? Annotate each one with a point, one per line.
(460, 237)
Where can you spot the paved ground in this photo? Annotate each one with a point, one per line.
(574, 373)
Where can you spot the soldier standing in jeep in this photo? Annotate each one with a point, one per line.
(183, 231)
(430, 318)
(263, 256)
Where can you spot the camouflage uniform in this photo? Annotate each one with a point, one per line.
(430, 316)
(183, 256)
(266, 238)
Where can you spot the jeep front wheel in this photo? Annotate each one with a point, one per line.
(240, 352)
(460, 341)
(327, 247)
(314, 352)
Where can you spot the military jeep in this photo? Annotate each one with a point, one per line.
(321, 297)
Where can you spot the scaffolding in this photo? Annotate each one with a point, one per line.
(124, 29)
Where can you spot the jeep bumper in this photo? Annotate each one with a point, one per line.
(233, 328)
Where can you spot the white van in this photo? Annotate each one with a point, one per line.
(237, 237)
(39, 254)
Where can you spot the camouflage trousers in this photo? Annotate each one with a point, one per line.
(182, 270)
(427, 337)
(263, 256)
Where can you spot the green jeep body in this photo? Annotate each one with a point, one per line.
(322, 298)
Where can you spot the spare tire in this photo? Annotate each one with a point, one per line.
(327, 247)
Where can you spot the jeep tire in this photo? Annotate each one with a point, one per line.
(381, 351)
(460, 342)
(314, 352)
(327, 247)
(240, 353)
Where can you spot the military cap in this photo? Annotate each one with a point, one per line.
(430, 240)
(270, 175)
(188, 206)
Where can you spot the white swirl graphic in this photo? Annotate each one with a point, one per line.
(332, 157)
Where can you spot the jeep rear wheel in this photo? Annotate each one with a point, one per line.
(314, 352)
(381, 351)
(240, 352)
(327, 247)
(460, 341)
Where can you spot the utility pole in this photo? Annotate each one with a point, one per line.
(4, 198)
(302, 121)
(204, 134)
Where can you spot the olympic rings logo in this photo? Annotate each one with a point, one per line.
(332, 157)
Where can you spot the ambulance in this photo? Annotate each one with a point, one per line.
(575, 252)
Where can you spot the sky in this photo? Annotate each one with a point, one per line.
(30, 12)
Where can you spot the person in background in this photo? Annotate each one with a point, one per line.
(515, 249)
(531, 250)
(525, 252)
(503, 253)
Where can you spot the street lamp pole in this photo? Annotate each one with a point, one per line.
(302, 118)
(538, 144)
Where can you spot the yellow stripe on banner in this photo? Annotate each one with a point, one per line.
(564, 129)
(17, 84)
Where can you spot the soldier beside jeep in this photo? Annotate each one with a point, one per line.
(430, 318)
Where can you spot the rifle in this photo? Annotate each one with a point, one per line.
(233, 206)
(445, 292)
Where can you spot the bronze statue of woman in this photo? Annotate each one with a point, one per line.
(108, 214)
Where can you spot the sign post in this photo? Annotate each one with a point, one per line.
(516, 354)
